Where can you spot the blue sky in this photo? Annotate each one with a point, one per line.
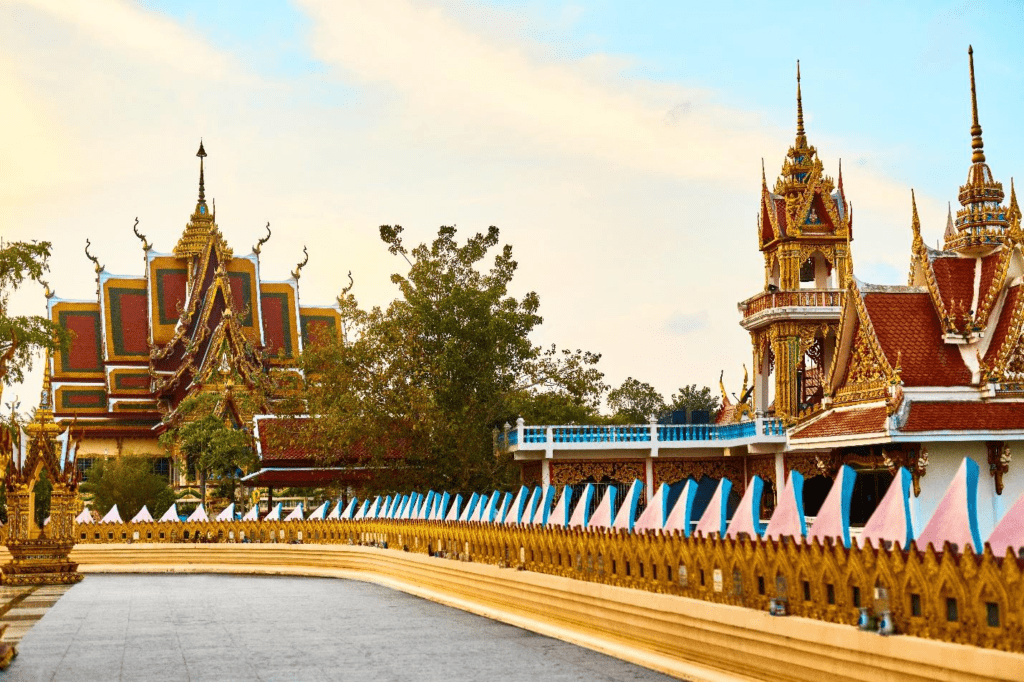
(617, 145)
(891, 76)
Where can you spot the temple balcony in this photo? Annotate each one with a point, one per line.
(764, 433)
(803, 304)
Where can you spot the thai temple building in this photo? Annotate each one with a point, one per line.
(197, 320)
(847, 373)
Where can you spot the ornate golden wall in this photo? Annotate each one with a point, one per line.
(824, 582)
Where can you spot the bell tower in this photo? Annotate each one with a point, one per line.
(804, 231)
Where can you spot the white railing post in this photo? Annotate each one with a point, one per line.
(549, 445)
(654, 437)
(520, 432)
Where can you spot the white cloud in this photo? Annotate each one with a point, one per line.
(147, 34)
(687, 323)
(626, 200)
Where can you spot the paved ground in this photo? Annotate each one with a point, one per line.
(223, 628)
(21, 607)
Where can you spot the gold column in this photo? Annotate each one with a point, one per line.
(789, 266)
(787, 356)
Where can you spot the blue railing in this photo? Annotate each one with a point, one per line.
(641, 433)
(601, 434)
(676, 433)
(535, 434)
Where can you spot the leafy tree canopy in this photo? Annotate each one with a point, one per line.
(211, 447)
(22, 336)
(417, 386)
(635, 402)
(693, 398)
(128, 482)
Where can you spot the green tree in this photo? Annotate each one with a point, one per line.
(22, 336)
(693, 398)
(635, 402)
(430, 375)
(211, 447)
(129, 482)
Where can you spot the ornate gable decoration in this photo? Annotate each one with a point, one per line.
(1008, 365)
(869, 375)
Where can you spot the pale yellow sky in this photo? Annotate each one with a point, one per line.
(630, 204)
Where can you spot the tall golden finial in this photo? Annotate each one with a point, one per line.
(202, 155)
(1014, 209)
(801, 137)
(915, 224)
(978, 156)
(764, 178)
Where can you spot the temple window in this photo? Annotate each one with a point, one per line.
(83, 467)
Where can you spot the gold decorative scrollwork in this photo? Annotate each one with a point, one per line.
(675, 470)
(807, 465)
(763, 467)
(573, 472)
(532, 473)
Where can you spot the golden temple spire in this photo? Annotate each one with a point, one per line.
(764, 178)
(1014, 209)
(950, 229)
(915, 224)
(202, 155)
(978, 147)
(801, 137)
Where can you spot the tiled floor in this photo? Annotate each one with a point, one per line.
(223, 628)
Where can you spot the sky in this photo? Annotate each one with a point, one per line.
(617, 145)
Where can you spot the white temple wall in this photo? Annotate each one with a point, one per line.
(1013, 480)
(944, 458)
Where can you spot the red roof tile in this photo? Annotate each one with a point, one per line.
(964, 416)
(845, 423)
(989, 265)
(1003, 326)
(286, 440)
(907, 323)
(780, 214)
(955, 278)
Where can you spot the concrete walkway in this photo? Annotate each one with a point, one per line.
(223, 628)
(21, 607)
